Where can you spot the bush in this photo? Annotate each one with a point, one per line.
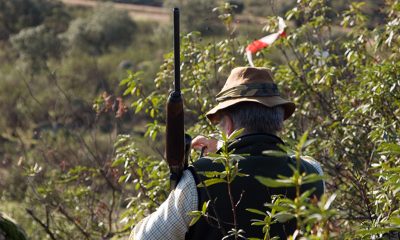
(37, 44)
(198, 15)
(18, 14)
(97, 33)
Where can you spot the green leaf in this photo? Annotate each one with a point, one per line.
(302, 141)
(205, 206)
(118, 162)
(212, 181)
(314, 217)
(309, 142)
(212, 174)
(194, 220)
(275, 183)
(275, 153)
(239, 174)
(377, 230)
(196, 216)
(395, 221)
(122, 178)
(258, 223)
(256, 211)
(235, 134)
(283, 216)
(313, 177)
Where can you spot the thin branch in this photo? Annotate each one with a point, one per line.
(218, 218)
(46, 227)
(54, 79)
(109, 182)
(111, 210)
(233, 206)
(30, 90)
(240, 199)
(71, 219)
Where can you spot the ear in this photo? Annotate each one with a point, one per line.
(229, 127)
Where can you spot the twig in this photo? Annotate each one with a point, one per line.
(240, 199)
(233, 206)
(71, 219)
(219, 221)
(109, 182)
(46, 227)
(30, 90)
(111, 210)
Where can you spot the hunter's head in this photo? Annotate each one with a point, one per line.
(250, 99)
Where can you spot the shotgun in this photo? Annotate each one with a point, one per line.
(177, 142)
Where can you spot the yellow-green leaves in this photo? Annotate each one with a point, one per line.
(198, 214)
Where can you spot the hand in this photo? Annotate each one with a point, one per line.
(210, 144)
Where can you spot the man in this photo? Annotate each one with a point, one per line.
(248, 100)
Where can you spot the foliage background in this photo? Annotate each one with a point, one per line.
(76, 163)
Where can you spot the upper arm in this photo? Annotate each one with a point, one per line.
(312, 166)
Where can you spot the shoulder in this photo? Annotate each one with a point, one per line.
(202, 163)
(312, 166)
(206, 164)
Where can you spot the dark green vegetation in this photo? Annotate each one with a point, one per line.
(76, 165)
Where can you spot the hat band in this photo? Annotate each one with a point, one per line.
(249, 90)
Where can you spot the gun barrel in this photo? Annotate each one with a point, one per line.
(177, 51)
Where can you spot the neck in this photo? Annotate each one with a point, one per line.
(246, 132)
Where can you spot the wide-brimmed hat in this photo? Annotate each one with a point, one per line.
(250, 84)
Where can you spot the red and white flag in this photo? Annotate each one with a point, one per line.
(266, 41)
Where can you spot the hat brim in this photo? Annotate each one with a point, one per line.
(273, 101)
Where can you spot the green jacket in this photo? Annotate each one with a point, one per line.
(251, 193)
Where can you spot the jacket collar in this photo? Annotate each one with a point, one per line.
(255, 143)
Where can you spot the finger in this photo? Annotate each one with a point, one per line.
(198, 146)
(199, 141)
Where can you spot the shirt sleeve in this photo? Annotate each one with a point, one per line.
(317, 167)
(171, 220)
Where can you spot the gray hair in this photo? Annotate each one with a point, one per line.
(256, 118)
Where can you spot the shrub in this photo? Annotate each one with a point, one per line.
(18, 14)
(97, 33)
(197, 15)
(36, 44)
